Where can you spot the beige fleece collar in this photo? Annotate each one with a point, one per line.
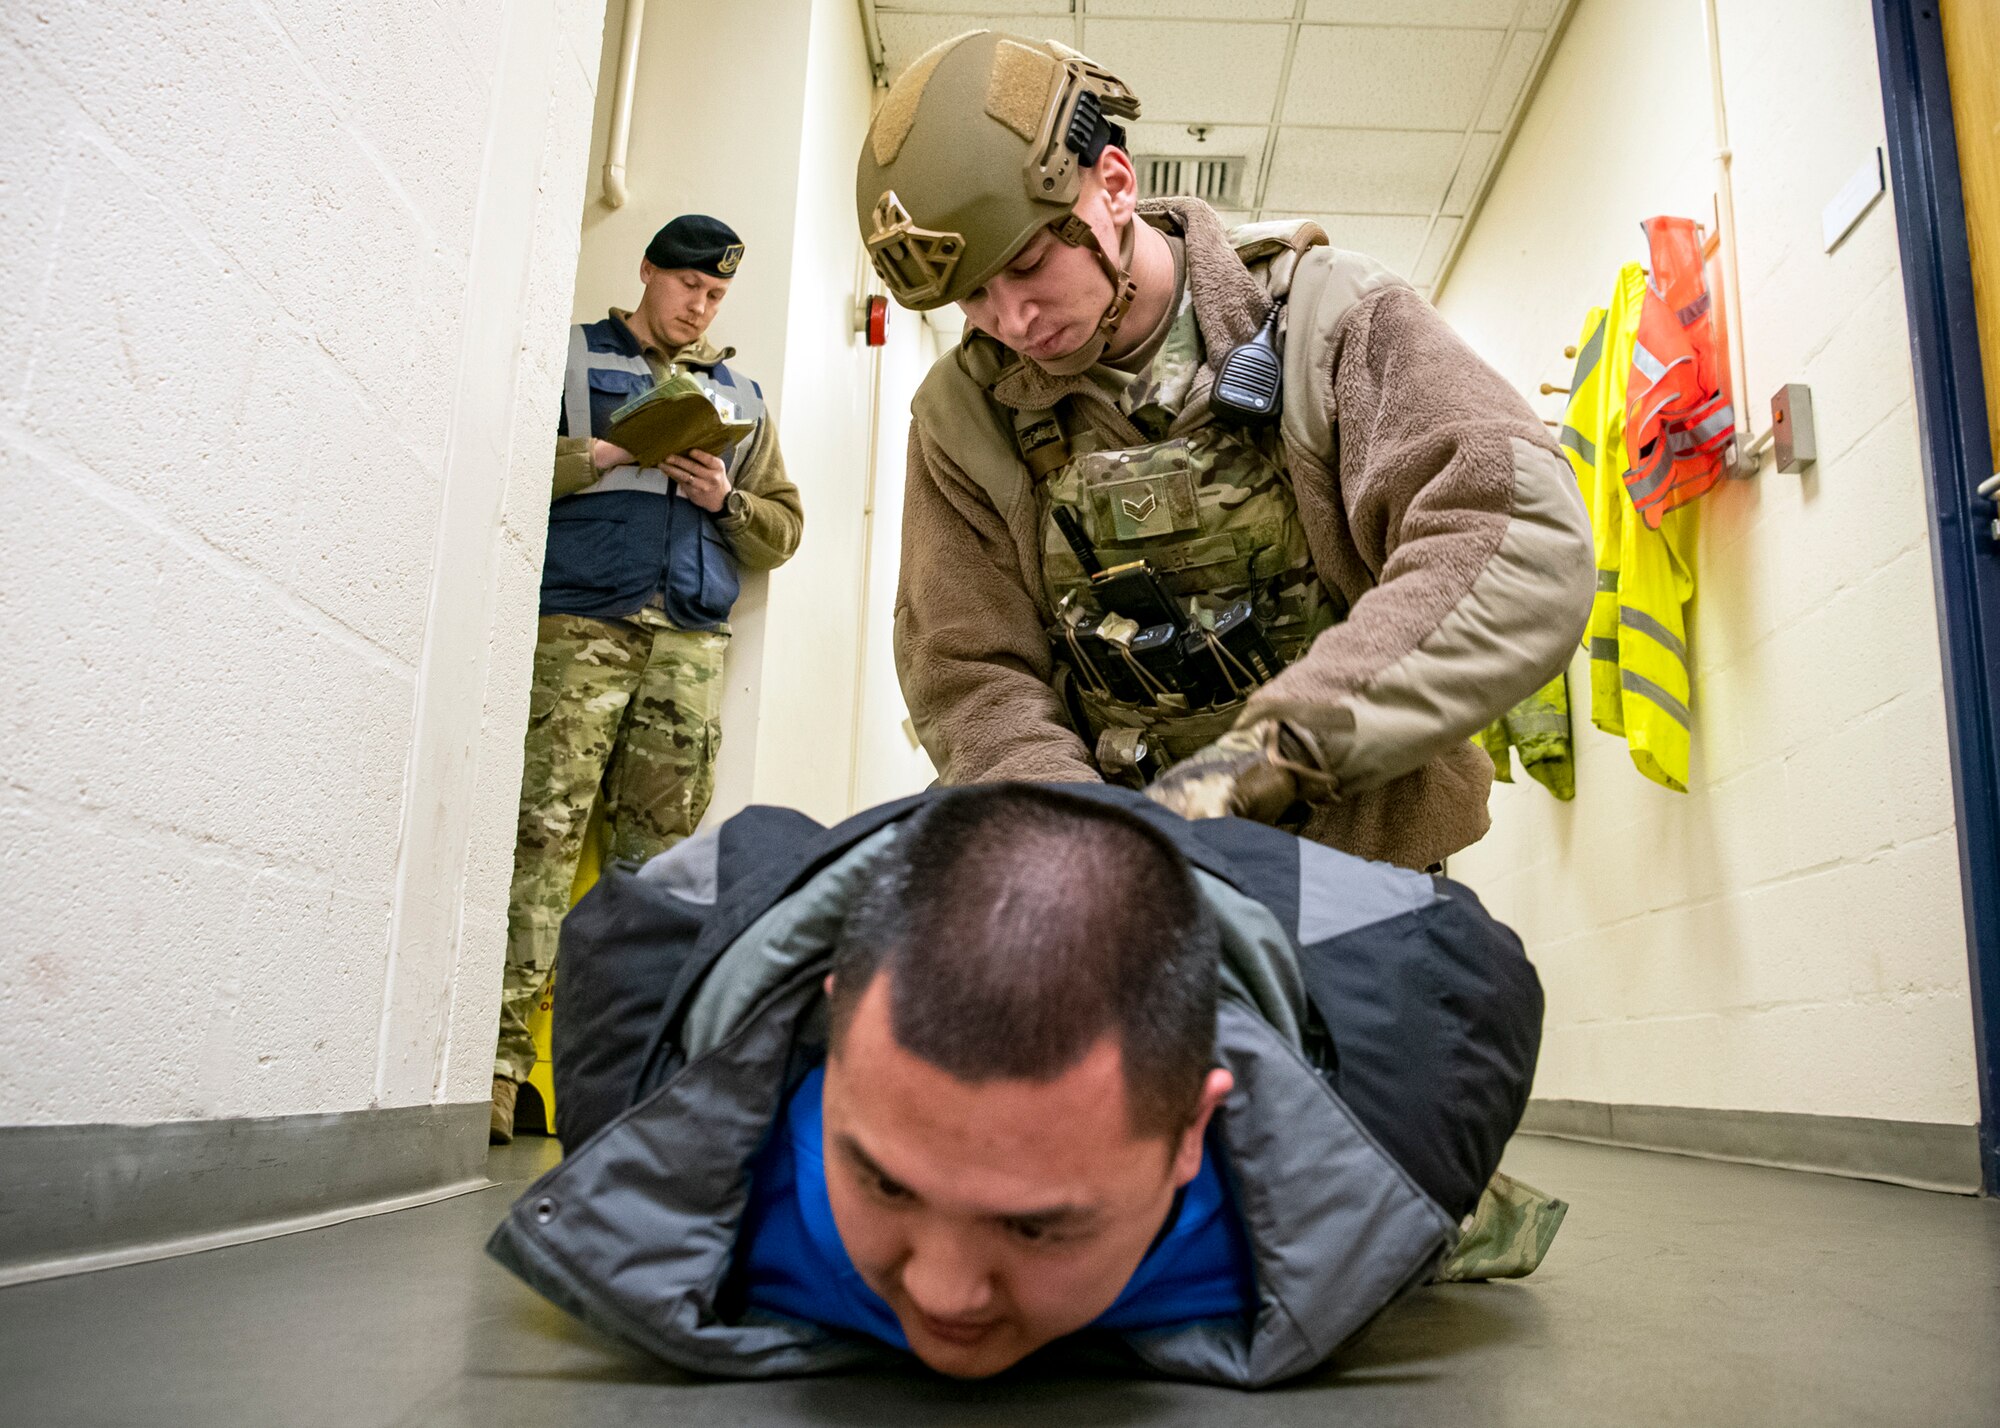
(1229, 303)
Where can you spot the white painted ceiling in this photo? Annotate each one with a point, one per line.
(1382, 119)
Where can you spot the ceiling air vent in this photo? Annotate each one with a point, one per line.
(1216, 181)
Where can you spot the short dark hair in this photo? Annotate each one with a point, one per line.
(1018, 925)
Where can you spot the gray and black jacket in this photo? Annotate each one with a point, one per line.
(1381, 1027)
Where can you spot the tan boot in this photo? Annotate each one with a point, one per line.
(501, 1129)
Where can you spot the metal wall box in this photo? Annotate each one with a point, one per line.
(1795, 443)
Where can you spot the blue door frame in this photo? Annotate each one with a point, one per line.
(1965, 550)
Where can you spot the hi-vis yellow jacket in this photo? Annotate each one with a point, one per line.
(1637, 638)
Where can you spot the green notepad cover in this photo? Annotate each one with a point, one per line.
(677, 416)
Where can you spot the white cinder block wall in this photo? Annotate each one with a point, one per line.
(1788, 936)
(769, 146)
(282, 289)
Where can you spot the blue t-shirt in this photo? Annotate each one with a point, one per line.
(794, 1263)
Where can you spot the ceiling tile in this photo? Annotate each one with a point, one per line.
(1192, 9)
(1441, 237)
(905, 36)
(1387, 86)
(1360, 171)
(1244, 141)
(1471, 170)
(1010, 7)
(1515, 67)
(1389, 78)
(1471, 14)
(1187, 71)
(1390, 239)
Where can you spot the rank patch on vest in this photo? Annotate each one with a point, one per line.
(1145, 507)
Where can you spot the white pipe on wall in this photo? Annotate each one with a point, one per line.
(871, 36)
(1749, 449)
(615, 192)
(876, 356)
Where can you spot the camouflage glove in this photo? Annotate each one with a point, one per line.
(1261, 771)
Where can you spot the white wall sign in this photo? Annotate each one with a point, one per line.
(1855, 198)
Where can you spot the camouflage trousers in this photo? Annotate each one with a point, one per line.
(1507, 1234)
(631, 708)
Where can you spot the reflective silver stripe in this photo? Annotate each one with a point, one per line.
(1540, 722)
(1587, 359)
(1649, 365)
(1579, 443)
(1649, 482)
(1645, 624)
(738, 393)
(1694, 311)
(1607, 580)
(1680, 442)
(576, 385)
(1645, 688)
(619, 362)
(1709, 428)
(576, 378)
(1647, 487)
(1605, 648)
(629, 478)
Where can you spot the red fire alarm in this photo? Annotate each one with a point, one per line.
(875, 320)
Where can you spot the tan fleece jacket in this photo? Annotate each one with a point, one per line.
(763, 518)
(1434, 503)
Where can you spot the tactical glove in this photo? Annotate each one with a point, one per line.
(1265, 771)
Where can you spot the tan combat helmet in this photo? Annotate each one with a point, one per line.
(979, 145)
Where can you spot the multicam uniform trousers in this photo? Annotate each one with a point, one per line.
(631, 708)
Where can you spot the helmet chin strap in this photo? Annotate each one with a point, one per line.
(1124, 287)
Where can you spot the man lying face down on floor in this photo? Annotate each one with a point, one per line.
(1001, 1068)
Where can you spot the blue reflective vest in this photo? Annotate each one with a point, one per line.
(632, 535)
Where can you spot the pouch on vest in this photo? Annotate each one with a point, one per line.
(1210, 515)
(610, 389)
(701, 581)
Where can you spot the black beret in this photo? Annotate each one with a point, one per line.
(694, 240)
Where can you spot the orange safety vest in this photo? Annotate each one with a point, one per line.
(1678, 421)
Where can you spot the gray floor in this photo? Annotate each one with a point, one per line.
(1680, 1292)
